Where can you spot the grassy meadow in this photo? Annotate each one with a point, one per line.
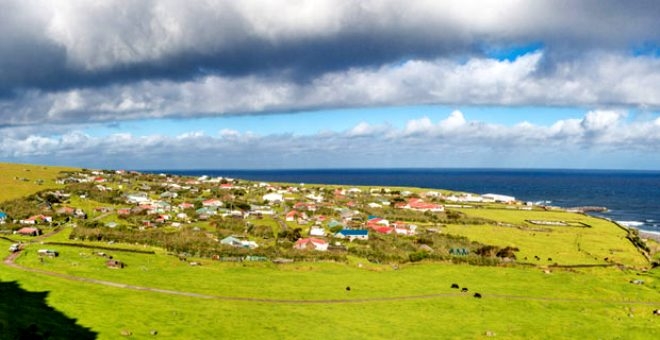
(517, 302)
(159, 296)
(18, 180)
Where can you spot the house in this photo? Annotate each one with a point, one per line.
(401, 229)
(65, 211)
(311, 243)
(212, 203)
(137, 197)
(186, 205)
(383, 230)
(238, 243)
(29, 231)
(273, 198)
(352, 234)
(291, 215)
(377, 222)
(419, 205)
(498, 198)
(169, 194)
(36, 218)
(317, 231)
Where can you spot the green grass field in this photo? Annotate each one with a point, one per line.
(516, 303)
(18, 180)
(75, 293)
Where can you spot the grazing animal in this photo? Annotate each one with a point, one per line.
(454, 285)
(656, 312)
(477, 295)
(464, 290)
(549, 258)
(348, 288)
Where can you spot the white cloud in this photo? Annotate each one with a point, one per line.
(453, 141)
(479, 81)
(601, 120)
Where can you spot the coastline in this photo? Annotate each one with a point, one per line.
(653, 235)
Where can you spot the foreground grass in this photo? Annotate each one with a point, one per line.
(516, 303)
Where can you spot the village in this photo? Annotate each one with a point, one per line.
(231, 219)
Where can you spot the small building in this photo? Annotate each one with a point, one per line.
(353, 234)
(238, 243)
(317, 231)
(48, 252)
(498, 198)
(29, 231)
(311, 243)
(273, 198)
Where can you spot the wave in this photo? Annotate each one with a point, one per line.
(633, 224)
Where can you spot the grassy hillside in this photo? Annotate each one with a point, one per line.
(573, 279)
(17, 180)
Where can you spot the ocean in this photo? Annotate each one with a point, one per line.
(631, 196)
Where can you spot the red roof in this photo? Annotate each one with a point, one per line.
(303, 241)
(383, 230)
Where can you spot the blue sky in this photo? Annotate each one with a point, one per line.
(225, 84)
(337, 120)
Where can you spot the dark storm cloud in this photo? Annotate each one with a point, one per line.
(67, 44)
(73, 61)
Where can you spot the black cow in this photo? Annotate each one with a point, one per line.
(348, 288)
(464, 290)
(454, 285)
(477, 295)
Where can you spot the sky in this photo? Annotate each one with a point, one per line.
(271, 84)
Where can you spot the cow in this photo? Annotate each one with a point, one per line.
(477, 295)
(454, 285)
(348, 288)
(464, 290)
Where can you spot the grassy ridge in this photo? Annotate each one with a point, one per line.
(564, 245)
(18, 180)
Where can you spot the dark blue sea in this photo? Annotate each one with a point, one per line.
(632, 196)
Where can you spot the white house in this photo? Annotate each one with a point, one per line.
(498, 198)
(317, 231)
(273, 197)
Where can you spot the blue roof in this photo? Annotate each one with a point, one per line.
(2, 214)
(354, 232)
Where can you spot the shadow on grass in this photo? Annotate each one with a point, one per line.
(25, 315)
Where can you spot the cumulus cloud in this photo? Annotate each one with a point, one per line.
(421, 142)
(621, 81)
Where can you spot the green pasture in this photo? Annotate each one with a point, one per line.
(517, 302)
(564, 245)
(18, 180)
